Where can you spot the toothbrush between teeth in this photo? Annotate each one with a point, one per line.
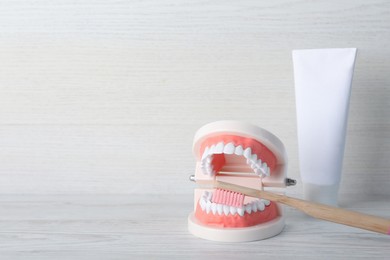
(316, 210)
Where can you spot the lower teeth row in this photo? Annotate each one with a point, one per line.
(208, 206)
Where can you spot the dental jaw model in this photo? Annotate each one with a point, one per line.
(245, 155)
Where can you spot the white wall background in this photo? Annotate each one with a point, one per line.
(105, 96)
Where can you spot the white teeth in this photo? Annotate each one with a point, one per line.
(208, 195)
(260, 205)
(233, 210)
(256, 166)
(258, 171)
(240, 211)
(254, 158)
(209, 170)
(229, 148)
(248, 208)
(264, 166)
(226, 209)
(203, 165)
(219, 148)
(265, 169)
(248, 153)
(254, 206)
(239, 150)
(214, 208)
(251, 159)
(208, 206)
(219, 208)
(202, 203)
(211, 150)
(253, 165)
(205, 153)
(209, 159)
(266, 202)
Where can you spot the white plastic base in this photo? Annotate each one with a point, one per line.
(258, 232)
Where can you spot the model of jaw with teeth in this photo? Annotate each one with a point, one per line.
(242, 154)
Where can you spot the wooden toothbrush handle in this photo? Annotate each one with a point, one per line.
(317, 210)
(335, 214)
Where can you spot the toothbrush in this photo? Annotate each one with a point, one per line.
(316, 210)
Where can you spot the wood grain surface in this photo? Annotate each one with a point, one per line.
(104, 97)
(138, 227)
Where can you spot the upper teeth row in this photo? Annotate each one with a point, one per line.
(259, 167)
(208, 206)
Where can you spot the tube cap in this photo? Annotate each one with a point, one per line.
(325, 194)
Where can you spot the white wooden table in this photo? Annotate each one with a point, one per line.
(155, 227)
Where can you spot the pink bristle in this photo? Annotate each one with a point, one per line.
(228, 198)
(215, 196)
(241, 203)
(220, 196)
(238, 204)
(235, 199)
(225, 197)
(231, 201)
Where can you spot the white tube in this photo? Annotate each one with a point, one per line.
(322, 89)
